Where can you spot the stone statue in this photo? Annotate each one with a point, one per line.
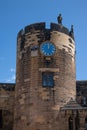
(72, 32)
(72, 28)
(59, 18)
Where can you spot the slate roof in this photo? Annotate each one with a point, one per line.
(72, 105)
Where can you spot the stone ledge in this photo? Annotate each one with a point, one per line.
(49, 69)
(26, 80)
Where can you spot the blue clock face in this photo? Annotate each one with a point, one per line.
(47, 48)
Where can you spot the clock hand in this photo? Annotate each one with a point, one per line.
(48, 46)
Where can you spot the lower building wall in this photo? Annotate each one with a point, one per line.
(6, 106)
(65, 120)
(60, 122)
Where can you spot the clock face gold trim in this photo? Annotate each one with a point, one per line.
(47, 48)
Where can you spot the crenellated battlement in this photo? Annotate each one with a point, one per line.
(42, 27)
(32, 27)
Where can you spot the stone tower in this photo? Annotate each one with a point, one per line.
(45, 79)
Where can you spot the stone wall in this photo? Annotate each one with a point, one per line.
(81, 88)
(6, 106)
(36, 107)
(7, 92)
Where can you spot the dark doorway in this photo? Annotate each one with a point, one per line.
(86, 122)
(70, 123)
(77, 121)
(1, 119)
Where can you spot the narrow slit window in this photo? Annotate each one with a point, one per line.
(47, 79)
(70, 123)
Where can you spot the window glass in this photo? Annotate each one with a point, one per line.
(84, 101)
(47, 79)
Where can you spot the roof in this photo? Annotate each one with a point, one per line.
(72, 105)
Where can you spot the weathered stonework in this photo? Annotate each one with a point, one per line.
(28, 105)
(6, 106)
(36, 107)
(7, 95)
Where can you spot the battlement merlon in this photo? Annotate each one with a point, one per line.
(42, 26)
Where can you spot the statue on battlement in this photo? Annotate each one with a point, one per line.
(59, 18)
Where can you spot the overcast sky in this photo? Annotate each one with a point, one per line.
(16, 14)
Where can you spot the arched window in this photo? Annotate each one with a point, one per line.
(84, 102)
(70, 123)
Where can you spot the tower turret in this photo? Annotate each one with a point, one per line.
(46, 78)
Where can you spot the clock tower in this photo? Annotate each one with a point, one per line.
(45, 77)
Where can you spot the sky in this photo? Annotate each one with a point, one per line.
(16, 14)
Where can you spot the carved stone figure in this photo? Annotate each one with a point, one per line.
(59, 18)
